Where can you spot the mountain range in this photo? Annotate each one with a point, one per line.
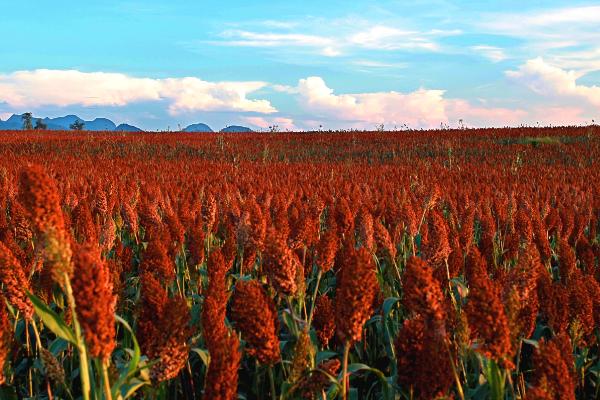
(15, 122)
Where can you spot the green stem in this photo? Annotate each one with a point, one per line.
(272, 382)
(454, 372)
(314, 298)
(106, 380)
(84, 372)
(345, 370)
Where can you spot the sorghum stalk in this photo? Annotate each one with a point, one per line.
(84, 373)
(272, 382)
(314, 298)
(345, 370)
(105, 379)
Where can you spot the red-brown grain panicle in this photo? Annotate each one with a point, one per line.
(423, 362)
(581, 309)
(324, 319)
(95, 301)
(153, 299)
(585, 254)
(279, 264)
(173, 350)
(554, 303)
(209, 212)
(519, 294)
(19, 222)
(39, 195)
(366, 234)
(486, 315)
(222, 376)
(255, 317)
(14, 281)
(327, 248)
(438, 247)
(155, 260)
(553, 374)
(567, 260)
(385, 246)
(355, 294)
(311, 385)
(83, 224)
(195, 244)
(158, 314)
(215, 302)
(409, 219)
(343, 216)
(423, 294)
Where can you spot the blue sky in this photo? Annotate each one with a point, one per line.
(299, 65)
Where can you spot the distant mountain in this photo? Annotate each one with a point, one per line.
(15, 122)
(101, 124)
(127, 128)
(237, 129)
(198, 128)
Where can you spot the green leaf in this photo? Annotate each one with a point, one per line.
(324, 355)
(122, 384)
(52, 320)
(137, 353)
(532, 342)
(129, 390)
(388, 304)
(355, 367)
(8, 393)
(57, 346)
(203, 354)
(496, 380)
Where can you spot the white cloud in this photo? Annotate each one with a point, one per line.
(270, 39)
(31, 89)
(386, 38)
(331, 51)
(422, 108)
(568, 36)
(549, 80)
(334, 38)
(481, 116)
(285, 89)
(379, 64)
(565, 15)
(193, 94)
(495, 54)
(282, 123)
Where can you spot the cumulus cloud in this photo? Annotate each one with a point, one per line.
(481, 116)
(282, 123)
(43, 87)
(549, 80)
(423, 108)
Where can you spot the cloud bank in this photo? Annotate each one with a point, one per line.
(549, 80)
(561, 99)
(423, 108)
(43, 87)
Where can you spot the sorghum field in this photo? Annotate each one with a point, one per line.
(401, 265)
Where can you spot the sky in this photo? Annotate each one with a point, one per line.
(303, 65)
